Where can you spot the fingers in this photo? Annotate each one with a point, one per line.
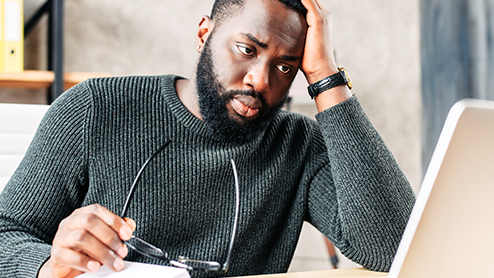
(73, 261)
(314, 6)
(100, 246)
(90, 226)
(311, 5)
(98, 213)
(318, 17)
(89, 237)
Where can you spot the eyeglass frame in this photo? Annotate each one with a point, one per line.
(184, 262)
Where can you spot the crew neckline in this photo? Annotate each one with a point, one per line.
(181, 112)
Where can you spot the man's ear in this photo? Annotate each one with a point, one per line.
(205, 28)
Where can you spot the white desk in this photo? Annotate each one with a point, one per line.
(332, 273)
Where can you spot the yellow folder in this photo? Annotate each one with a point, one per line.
(13, 35)
(2, 54)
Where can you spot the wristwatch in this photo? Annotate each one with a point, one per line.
(337, 79)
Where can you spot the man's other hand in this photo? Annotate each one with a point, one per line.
(90, 237)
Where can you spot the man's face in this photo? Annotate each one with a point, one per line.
(246, 68)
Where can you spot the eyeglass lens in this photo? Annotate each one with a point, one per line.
(144, 248)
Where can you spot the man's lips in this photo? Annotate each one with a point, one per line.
(246, 106)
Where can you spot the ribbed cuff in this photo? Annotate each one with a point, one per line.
(32, 259)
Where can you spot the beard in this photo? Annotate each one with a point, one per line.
(220, 124)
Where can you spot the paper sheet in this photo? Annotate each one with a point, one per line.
(133, 270)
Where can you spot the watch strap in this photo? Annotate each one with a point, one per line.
(327, 83)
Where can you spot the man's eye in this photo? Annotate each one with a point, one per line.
(245, 50)
(284, 69)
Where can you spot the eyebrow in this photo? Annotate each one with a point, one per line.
(255, 40)
(290, 58)
(265, 46)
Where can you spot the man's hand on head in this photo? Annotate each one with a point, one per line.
(90, 237)
(318, 60)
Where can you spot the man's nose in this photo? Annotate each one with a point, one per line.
(257, 78)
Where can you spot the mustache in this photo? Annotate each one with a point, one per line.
(232, 93)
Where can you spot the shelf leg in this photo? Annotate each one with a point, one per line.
(55, 48)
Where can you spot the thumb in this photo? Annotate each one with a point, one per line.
(131, 223)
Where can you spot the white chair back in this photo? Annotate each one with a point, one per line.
(18, 123)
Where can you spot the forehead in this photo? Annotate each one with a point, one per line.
(268, 21)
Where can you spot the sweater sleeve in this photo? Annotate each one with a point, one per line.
(46, 187)
(360, 200)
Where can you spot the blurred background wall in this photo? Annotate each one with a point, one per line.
(377, 41)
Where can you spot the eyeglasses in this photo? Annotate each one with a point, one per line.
(144, 248)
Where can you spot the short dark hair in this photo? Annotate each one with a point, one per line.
(223, 9)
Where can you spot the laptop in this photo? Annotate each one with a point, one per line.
(451, 229)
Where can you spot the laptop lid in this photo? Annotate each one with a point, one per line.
(451, 229)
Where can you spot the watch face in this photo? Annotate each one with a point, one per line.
(347, 77)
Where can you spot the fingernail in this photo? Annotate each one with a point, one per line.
(125, 232)
(122, 251)
(118, 264)
(93, 266)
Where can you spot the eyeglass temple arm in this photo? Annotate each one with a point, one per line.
(237, 206)
(139, 175)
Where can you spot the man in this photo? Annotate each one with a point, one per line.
(60, 213)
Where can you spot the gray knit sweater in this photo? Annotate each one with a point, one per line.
(335, 173)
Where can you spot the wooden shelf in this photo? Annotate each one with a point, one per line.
(38, 79)
(29, 79)
(72, 78)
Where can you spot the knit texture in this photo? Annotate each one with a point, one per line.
(336, 174)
